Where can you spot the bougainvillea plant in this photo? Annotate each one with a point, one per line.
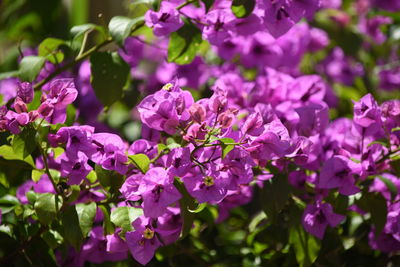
(210, 133)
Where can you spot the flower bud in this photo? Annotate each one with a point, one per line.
(20, 106)
(33, 115)
(225, 119)
(46, 109)
(23, 118)
(218, 101)
(197, 112)
(25, 92)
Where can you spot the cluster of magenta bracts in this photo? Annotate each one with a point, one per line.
(289, 126)
(281, 118)
(54, 102)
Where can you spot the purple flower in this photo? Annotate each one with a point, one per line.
(281, 15)
(15, 120)
(218, 102)
(314, 118)
(260, 50)
(237, 165)
(8, 88)
(218, 26)
(130, 188)
(165, 21)
(25, 92)
(247, 26)
(308, 88)
(271, 144)
(94, 249)
(115, 243)
(317, 217)
(253, 125)
(371, 27)
(300, 151)
(211, 187)
(178, 162)
(116, 162)
(389, 239)
(142, 242)
(319, 40)
(294, 44)
(198, 112)
(44, 185)
(142, 146)
(22, 190)
(132, 52)
(331, 4)
(110, 152)
(60, 93)
(156, 188)
(389, 5)
(229, 47)
(298, 179)
(233, 199)
(77, 169)
(76, 138)
(164, 110)
(389, 79)
(341, 68)
(337, 172)
(169, 225)
(367, 112)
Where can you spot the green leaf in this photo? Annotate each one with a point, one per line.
(199, 208)
(161, 148)
(71, 227)
(384, 142)
(107, 225)
(120, 28)
(375, 204)
(24, 143)
(86, 214)
(110, 180)
(208, 4)
(52, 238)
(306, 246)
(9, 200)
(395, 129)
(109, 75)
(36, 175)
(79, 12)
(7, 152)
(73, 192)
(9, 74)
(80, 30)
(31, 196)
(124, 216)
(225, 147)
(242, 8)
(45, 207)
(186, 203)
(184, 44)
(30, 67)
(395, 164)
(141, 161)
(92, 177)
(389, 184)
(48, 49)
(274, 195)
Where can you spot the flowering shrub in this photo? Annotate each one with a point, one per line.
(214, 133)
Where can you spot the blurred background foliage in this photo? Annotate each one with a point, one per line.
(246, 238)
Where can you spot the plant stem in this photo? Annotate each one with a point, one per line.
(185, 4)
(79, 58)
